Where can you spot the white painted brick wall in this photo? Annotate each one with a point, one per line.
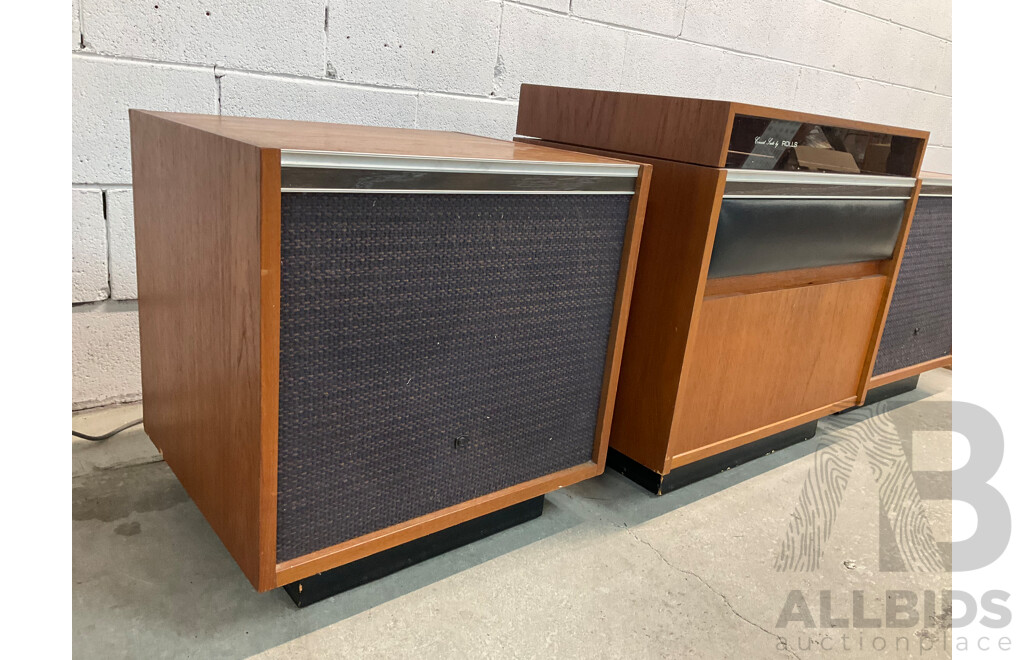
(450, 65)
(105, 355)
(545, 48)
(661, 16)
(121, 237)
(103, 89)
(280, 37)
(88, 247)
(436, 45)
(560, 6)
(254, 95)
(76, 25)
(487, 117)
(932, 16)
(822, 35)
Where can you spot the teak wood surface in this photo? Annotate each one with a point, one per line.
(197, 236)
(711, 364)
(946, 361)
(314, 136)
(208, 243)
(769, 356)
(683, 129)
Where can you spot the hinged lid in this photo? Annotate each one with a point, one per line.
(717, 133)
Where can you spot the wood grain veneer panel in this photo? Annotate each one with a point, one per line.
(683, 129)
(908, 372)
(620, 313)
(706, 451)
(270, 357)
(764, 357)
(690, 130)
(787, 279)
(314, 136)
(197, 233)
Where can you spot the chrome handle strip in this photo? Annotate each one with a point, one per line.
(337, 160)
(818, 178)
(308, 178)
(770, 184)
(398, 191)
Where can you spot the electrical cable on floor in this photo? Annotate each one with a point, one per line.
(109, 434)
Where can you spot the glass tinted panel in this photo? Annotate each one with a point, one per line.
(759, 143)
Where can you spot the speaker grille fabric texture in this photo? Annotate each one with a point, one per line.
(435, 348)
(920, 322)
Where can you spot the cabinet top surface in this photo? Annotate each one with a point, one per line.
(718, 111)
(717, 133)
(347, 138)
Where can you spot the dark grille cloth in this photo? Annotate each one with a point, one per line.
(435, 348)
(920, 322)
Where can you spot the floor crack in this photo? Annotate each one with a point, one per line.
(714, 591)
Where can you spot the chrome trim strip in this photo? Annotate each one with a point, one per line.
(771, 184)
(428, 181)
(331, 159)
(456, 192)
(818, 178)
(885, 197)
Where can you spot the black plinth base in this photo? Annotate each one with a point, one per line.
(688, 474)
(882, 392)
(329, 583)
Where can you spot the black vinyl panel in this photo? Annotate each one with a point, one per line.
(919, 326)
(350, 179)
(769, 235)
(435, 348)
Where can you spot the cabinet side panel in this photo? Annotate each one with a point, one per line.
(197, 233)
(688, 130)
(679, 230)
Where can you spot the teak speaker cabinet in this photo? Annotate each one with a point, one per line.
(918, 332)
(208, 220)
(760, 294)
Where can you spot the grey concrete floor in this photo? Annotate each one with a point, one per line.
(608, 571)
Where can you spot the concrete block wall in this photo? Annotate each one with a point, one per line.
(449, 65)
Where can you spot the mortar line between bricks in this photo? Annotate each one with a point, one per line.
(81, 26)
(723, 49)
(682, 21)
(327, 35)
(398, 89)
(887, 20)
(221, 70)
(497, 49)
(106, 233)
(108, 305)
(708, 586)
(881, 19)
(216, 81)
